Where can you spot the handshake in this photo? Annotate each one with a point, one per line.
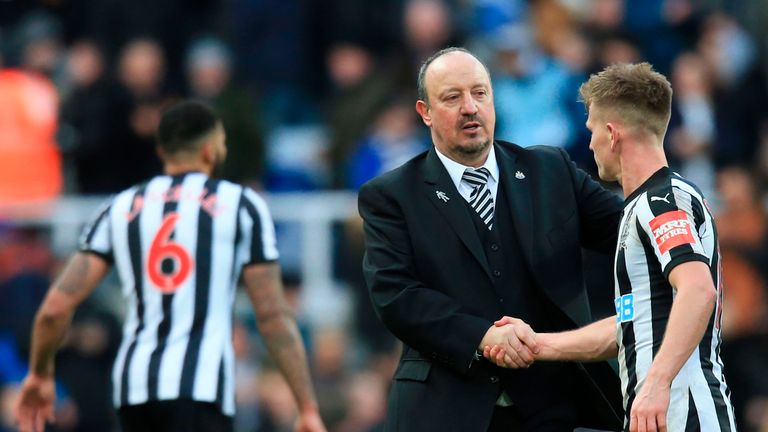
(511, 343)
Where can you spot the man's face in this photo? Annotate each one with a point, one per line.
(600, 144)
(460, 110)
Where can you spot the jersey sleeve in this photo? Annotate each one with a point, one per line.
(95, 237)
(258, 228)
(667, 221)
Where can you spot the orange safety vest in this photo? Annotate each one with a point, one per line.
(30, 162)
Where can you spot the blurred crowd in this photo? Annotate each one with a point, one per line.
(319, 95)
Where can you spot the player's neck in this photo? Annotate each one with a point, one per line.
(175, 167)
(639, 164)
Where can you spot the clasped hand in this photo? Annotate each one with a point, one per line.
(510, 343)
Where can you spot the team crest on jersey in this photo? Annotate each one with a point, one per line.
(671, 229)
(624, 235)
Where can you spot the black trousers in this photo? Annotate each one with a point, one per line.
(506, 419)
(557, 418)
(182, 415)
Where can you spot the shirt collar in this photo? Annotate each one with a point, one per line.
(456, 170)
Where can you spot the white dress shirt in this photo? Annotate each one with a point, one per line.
(456, 171)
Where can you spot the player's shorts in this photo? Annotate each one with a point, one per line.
(182, 415)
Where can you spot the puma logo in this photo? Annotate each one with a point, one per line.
(655, 198)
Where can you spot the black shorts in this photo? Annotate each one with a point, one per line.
(182, 415)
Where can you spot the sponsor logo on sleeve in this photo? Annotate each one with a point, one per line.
(671, 229)
(625, 308)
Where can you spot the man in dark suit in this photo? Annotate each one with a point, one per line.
(467, 232)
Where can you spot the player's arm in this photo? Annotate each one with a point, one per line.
(688, 320)
(281, 335)
(594, 342)
(80, 277)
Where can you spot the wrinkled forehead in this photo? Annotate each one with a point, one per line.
(455, 70)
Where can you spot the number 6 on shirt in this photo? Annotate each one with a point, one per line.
(163, 248)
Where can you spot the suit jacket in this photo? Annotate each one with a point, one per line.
(431, 286)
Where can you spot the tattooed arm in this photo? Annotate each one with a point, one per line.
(81, 275)
(281, 335)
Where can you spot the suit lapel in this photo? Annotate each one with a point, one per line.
(442, 193)
(513, 175)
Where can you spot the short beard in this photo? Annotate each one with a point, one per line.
(475, 150)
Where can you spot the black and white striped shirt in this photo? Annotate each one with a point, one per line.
(178, 244)
(665, 223)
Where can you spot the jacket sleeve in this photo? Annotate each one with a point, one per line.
(599, 210)
(424, 318)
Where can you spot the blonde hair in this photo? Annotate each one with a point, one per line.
(638, 95)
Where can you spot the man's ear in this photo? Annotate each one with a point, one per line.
(423, 109)
(160, 153)
(208, 152)
(615, 134)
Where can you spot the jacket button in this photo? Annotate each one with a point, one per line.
(501, 300)
(497, 273)
(494, 379)
(494, 247)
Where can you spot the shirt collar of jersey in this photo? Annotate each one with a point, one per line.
(185, 173)
(456, 170)
(659, 176)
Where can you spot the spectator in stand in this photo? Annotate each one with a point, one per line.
(692, 126)
(30, 161)
(393, 140)
(742, 224)
(209, 72)
(360, 91)
(90, 115)
(530, 91)
(740, 89)
(141, 73)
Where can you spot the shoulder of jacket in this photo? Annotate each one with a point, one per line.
(535, 151)
(404, 174)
